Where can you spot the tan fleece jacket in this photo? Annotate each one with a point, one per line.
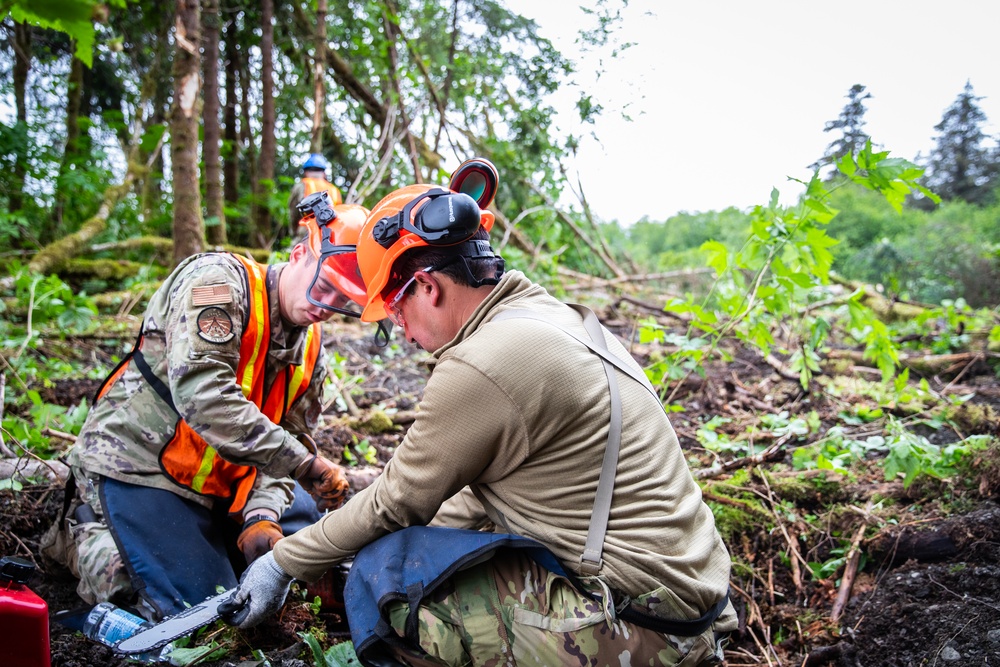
(520, 411)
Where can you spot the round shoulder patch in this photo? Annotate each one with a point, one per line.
(215, 325)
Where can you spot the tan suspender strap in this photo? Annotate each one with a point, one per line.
(591, 561)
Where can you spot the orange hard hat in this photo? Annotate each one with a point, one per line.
(333, 243)
(412, 217)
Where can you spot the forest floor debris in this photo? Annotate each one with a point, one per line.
(926, 579)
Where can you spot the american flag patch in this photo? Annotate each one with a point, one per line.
(211, 295)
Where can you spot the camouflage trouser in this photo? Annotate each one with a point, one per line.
(511, 611)
(88, 549)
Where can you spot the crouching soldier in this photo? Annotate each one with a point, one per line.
(197, 456)
(537, 423)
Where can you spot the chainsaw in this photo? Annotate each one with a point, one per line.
(184, 623)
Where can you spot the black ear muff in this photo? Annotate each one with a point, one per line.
(448, 219)
(477, 178)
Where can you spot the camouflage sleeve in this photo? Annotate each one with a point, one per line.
(270, 493)
(205, 322)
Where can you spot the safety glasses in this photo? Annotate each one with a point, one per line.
(393, 299)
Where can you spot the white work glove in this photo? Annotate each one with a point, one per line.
(262, 591)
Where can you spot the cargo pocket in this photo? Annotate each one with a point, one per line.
(98, 563)
(552, 623)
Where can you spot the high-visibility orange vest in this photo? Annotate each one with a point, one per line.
(190, 461)
(312, 185)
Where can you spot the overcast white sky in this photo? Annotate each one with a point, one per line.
(729, 97)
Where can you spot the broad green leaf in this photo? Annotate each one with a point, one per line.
(718, 256)
(846, 165)
(342, 655)
(72, 17)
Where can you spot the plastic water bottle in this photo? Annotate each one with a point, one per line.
(108, 625)
(24, 617)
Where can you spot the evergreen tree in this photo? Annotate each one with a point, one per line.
(960, 166)
(850, 124)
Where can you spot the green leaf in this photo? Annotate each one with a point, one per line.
(846, 165)
(818, 332)
(342, 655)
(72, 17)
(319, 659)
(184, 657)
(10, 484)
(718, 256)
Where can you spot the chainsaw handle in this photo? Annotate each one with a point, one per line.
(233, 612)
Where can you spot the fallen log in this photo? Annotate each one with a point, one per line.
(164, 247)
(925, 364)
(887, 310)
(924, 546)
(30, 468)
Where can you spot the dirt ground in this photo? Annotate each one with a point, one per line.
(927, 591)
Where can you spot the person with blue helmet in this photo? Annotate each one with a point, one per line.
(313, 179)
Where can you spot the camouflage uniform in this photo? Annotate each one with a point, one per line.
(511, 611)
(129, 426)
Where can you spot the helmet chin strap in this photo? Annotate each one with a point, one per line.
(383, 332)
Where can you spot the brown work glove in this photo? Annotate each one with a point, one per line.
(259, 535)
(325, 482)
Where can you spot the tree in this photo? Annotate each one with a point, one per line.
(264, 185)
(319, 81)
(850, 124)
(231, 138)
(22, 65)
(211, 149)
(189, 228)
(73, 152)
(960, 166)
(406, 90)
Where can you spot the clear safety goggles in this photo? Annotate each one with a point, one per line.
(337, 285)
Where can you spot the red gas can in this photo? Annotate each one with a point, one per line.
(24, 617)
